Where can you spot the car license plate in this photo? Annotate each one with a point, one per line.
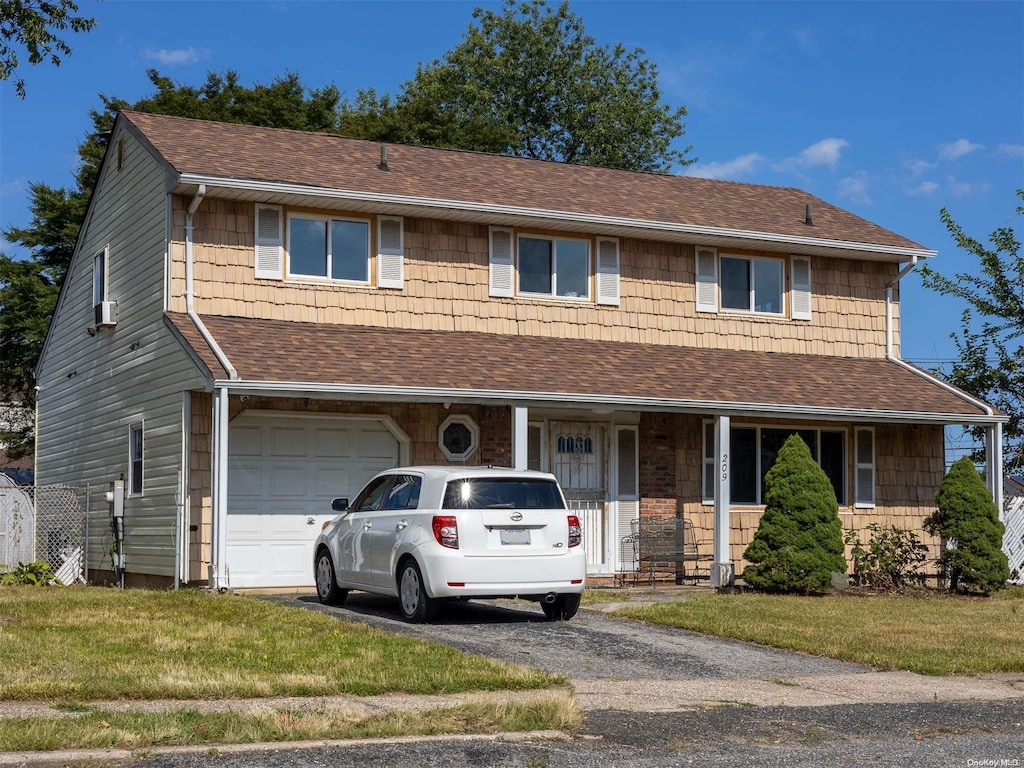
(515, 536)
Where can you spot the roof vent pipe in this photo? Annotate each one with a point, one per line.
(808, 215)
(384, 158)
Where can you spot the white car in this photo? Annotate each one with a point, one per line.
(426, 534)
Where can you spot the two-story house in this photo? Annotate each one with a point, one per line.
(256, 320)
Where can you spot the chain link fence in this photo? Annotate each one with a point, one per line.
(45, 522)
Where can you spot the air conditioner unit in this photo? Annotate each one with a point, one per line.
(106, 314)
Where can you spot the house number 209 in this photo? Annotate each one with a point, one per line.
(725, 466)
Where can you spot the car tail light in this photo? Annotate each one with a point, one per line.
(575, 531)
(446, 531)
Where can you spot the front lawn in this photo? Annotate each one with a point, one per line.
(90, 643)
(926, 632)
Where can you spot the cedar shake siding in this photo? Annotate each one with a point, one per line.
(446, 289)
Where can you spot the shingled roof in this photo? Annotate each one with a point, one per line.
(487, 364)
(317, 161)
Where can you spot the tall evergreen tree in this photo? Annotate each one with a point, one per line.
(799, 541)
(967, 519)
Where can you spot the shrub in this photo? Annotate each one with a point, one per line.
(799, 542)
(37, 574)
(968, 521)
(890, 560)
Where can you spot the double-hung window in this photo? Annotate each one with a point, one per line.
(753, 451)
(551, 266)
(752, 285)
(329, 248)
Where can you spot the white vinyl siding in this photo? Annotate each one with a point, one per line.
(390, 252)
(607, 271)
(269, 242)
(800, 289)
(706, 269)
(864, 493)
(84, 420)
(502, 262)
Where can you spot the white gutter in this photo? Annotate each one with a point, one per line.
(249, 185)
(421, 394)
(190, 307)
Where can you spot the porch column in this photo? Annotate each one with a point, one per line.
(994, 464)
(520, 433)
(722, 574)
(219, 491)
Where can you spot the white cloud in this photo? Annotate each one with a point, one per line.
(855, 188)
(12, 187)
(175, 56)
(954, 150)
(1013, 150)
(825, 152)
(918, 167)
(728, 169)
(924, 189)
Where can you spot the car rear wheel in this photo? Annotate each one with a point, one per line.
(416, 605)
(327, 589)
(562, 609)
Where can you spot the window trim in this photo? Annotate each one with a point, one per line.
(708, 495)
(328, 218)
(101, 269)
(779, 261)
(140, 427)
(553, 239)
(474, 436)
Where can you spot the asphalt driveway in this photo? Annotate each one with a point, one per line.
(593, 646)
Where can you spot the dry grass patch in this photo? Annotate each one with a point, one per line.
(130, 730)
(927, 632)
(89, 643)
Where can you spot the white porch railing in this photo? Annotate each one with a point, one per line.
(593, 518)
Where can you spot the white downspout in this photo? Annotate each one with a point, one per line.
(888, 306)
(190, 306)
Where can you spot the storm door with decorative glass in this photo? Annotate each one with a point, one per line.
(577, 451)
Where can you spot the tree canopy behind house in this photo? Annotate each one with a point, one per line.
(991, 364)
(527, 81)
(33, 25)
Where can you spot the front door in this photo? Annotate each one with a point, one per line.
(577, 451)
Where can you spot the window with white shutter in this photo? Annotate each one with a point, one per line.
(502, 265)
(707, 280)
(390, 252)
(800, 289)
(864, 493)
(269, 242)
(607, 271)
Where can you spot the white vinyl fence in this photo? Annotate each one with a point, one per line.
(44, 522)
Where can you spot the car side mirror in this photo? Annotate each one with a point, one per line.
(340, 505)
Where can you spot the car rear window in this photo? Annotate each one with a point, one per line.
(506, 493)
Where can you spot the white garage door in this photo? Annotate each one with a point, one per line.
(283, 473)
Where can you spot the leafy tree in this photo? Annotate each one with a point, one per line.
(31, 24)
(28, 289)
(530, 82)
(967, 519)
(991, 365)
(799, 542)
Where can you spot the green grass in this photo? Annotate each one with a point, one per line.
(601, 596)
(929, 633)
(133, 730)
(79, 644)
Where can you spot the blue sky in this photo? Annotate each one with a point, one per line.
(891, 110)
